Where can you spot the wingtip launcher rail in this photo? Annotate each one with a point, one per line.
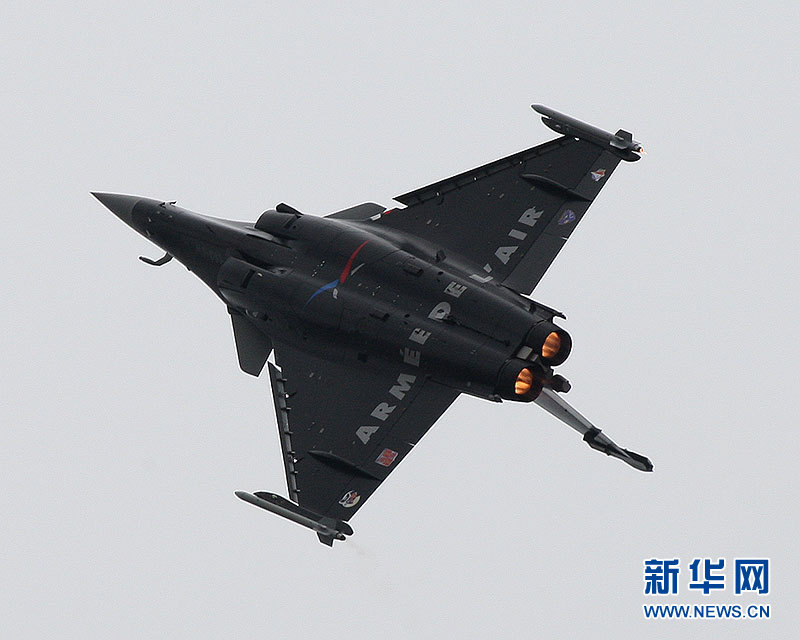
(620, 143)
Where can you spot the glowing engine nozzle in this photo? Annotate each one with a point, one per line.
(552, 345)
(550, 342)
(524, 382)
(516, 381)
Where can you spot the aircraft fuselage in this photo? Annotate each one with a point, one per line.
(337, 289)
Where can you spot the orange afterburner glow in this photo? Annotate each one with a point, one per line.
(524, 382)
(551, 346)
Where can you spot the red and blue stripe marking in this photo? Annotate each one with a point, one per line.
(342, 278)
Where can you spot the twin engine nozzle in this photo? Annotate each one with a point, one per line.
(548, 342)
(522, 378)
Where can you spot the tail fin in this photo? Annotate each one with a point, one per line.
(551, 402)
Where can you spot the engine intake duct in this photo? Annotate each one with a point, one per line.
(550, 342)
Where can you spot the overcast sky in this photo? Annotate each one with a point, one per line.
(127, 424)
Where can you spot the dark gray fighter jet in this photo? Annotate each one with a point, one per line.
(379, 319)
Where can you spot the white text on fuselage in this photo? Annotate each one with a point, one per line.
(412, 355)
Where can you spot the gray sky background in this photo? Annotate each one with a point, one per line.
(127, 425)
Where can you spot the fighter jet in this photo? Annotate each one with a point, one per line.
(379, 318)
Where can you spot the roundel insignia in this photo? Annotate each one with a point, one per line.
(567, 217)
(350, 499)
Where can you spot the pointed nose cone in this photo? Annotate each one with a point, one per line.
(120, 205)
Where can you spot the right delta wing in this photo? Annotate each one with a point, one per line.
(345, 426)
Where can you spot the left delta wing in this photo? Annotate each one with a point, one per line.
(344, 427)
(511, 217)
